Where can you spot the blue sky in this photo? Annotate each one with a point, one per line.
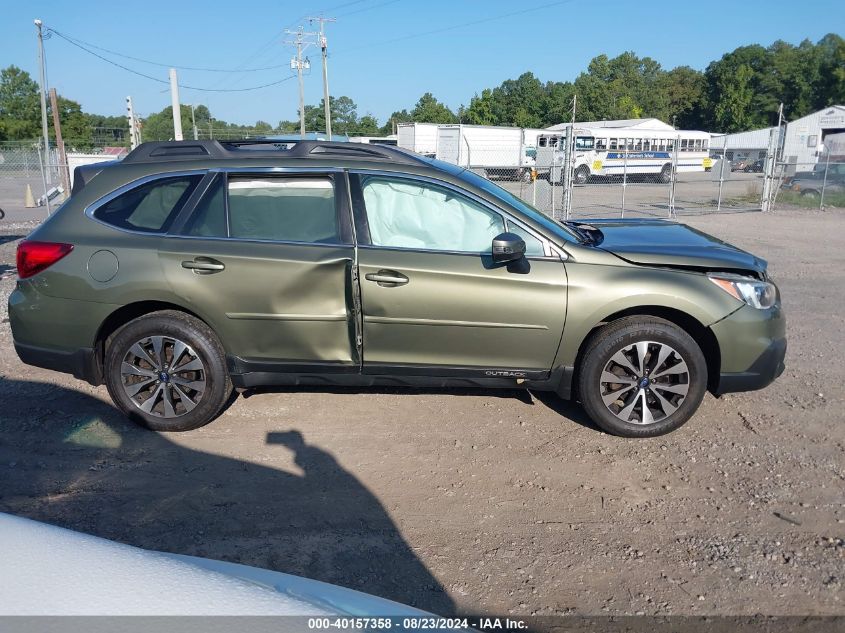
(383, 53)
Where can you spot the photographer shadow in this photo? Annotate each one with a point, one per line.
(69, 459)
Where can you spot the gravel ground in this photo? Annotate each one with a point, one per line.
(463, 501)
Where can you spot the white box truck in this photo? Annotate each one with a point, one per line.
(496, 152)
(418, 137)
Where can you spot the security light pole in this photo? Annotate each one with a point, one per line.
(194, 123)
(43, 82)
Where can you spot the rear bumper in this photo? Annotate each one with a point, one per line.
(81, 363)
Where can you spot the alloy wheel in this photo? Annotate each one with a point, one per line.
(644, 382)
(163, 376)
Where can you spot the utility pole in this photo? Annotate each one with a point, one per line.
(60, 144)
(174, 101)
(299, 65)
(43, 82)
(134, 136)
(324, 48)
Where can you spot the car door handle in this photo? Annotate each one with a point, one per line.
(387, 278)
(204, 265)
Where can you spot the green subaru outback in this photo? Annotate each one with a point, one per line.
(191, 269)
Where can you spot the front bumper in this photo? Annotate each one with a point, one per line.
(768, 366)
(752, 346)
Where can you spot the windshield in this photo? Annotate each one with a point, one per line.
(584, 142)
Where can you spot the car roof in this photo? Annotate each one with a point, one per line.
(163, 156)
(264, 148)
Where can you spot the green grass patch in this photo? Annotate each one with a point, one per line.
(810, 202)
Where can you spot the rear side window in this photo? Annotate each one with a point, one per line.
(283, 209)
(150, 207)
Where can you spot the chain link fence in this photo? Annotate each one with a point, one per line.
(810, 185)
(563, 187)
(31, 177)
(558, 187)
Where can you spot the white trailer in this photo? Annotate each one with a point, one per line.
(374, 140)
(503, 152)
(418, 137)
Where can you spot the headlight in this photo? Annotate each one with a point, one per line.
(757, 294)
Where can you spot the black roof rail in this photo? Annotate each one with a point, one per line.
(159, 151)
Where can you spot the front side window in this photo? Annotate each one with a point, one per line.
(149, 208)
(288, 209)
(601, 144)
(411, 214)
(533, 246)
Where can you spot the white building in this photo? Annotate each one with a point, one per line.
(803, 139)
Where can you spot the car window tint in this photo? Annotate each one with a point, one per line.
(412, 214)
(533, 246)
(209, 217)
(150, 207)
(283, 209)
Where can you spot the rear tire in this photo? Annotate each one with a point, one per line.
(167, 371)
(655, 370)
(666, 173)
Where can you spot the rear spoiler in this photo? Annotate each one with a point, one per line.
(83, 174)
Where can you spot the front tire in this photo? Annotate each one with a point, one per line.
(582, 174)
(167, 371)
(641, 377)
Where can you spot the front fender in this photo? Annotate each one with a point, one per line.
(598, 291)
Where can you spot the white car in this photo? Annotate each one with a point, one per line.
(47, 570)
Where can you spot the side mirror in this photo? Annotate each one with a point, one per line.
(508, 247)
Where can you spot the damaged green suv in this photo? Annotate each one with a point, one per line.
(190, 269)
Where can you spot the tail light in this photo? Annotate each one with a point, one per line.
(33, 257)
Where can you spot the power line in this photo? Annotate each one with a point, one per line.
(162, 81)
(152, 63)
(456, 26)
(375, 6)
(273, 40)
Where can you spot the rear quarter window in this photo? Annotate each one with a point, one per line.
(150, 207)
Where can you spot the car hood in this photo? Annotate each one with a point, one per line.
(666, 243)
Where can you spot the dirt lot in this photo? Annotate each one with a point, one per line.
(459, 501)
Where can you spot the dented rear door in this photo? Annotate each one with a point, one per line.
(285, 302)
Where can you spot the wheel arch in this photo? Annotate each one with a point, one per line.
(124, 315)
(702, 335)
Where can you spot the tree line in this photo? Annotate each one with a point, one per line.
(740, 91)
